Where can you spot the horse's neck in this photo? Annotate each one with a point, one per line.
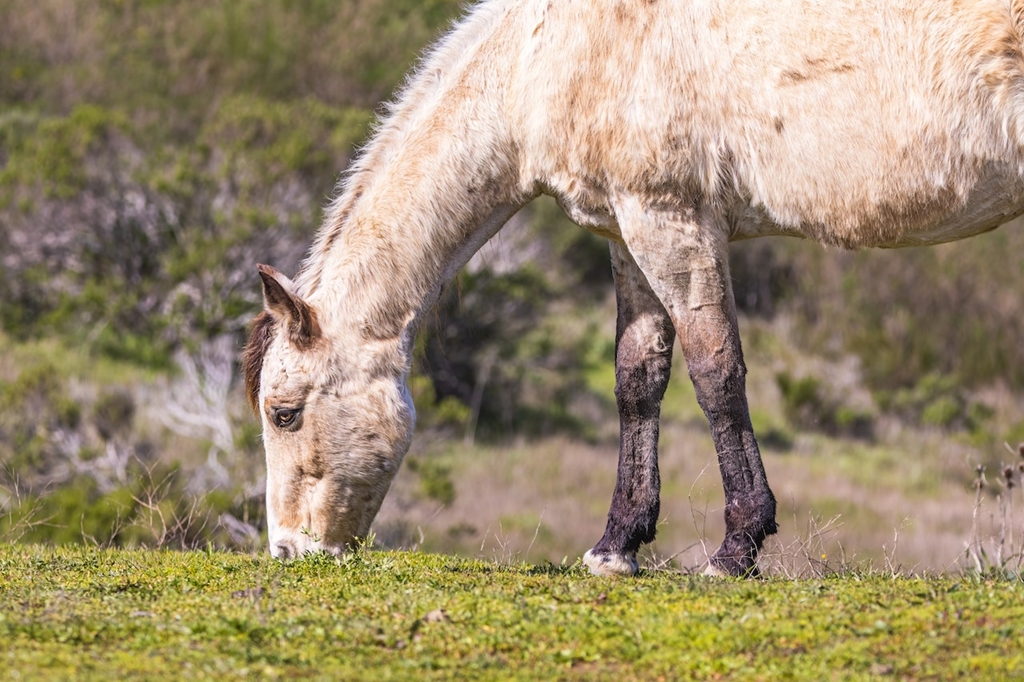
(437, 181)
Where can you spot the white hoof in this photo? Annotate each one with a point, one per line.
(610, 565)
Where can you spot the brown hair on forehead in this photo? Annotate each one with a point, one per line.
(252, 357)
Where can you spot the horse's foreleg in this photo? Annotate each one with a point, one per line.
(643, 357)
(713, 355)
(685, 261)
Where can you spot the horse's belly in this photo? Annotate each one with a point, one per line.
(995, 198)
(994, 201)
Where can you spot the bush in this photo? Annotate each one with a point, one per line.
(36, 414)
(807, 406)
(936, 400)
(951, 310)
(435, 479)
(178, 168)
(498, 345)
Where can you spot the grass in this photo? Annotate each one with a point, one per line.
(90, 613)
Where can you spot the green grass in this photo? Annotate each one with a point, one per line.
(90, 613)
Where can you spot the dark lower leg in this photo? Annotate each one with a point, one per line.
(633, 516)
(749, 503)
(643, 359)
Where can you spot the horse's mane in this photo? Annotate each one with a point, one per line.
(415, 98)
(252, 357)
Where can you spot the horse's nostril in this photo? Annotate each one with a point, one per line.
(283, 550)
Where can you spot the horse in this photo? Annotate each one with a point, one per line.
(671, 128)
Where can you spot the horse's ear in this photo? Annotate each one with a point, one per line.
(281, 301)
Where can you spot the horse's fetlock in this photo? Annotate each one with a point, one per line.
(627, 535)
(751, 515)
(736, 557)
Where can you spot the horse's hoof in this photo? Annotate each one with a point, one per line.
(718, 568)
(610, 564)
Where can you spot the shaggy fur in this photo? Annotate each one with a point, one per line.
(671, 127)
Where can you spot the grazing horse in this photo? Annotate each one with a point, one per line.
(670, 127)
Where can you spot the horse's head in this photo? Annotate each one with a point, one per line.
(336, 424)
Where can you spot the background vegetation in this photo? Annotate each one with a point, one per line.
(152, 152)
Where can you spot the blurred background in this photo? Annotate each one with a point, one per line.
(152, 152)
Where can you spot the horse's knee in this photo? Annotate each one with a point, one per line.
(642, 370)
(718, 382)
(639, 388)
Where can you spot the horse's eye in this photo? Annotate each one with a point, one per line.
(287, 418)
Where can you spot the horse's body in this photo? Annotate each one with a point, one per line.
(671, 127)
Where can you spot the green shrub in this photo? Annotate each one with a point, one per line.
(942, 411)
(113, 414)
(501, 346)
(263, 140)
(950, 310)
(807, 406)
(935, 400)
(33, 408)
(435, 479)
(51, 154)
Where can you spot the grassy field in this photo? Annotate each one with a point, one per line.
(114, 614)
